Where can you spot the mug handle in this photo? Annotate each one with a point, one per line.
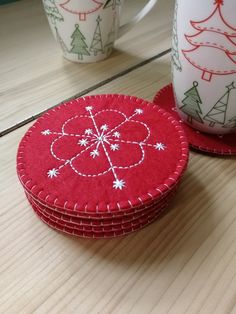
(123, 29)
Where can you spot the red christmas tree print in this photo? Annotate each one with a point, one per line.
(87, 7)
(216, 38)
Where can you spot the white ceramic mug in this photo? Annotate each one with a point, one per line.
(204, 64)
(87, 29)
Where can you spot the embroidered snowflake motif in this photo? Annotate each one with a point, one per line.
(114, 147)
(109, 143)
(118, 184)
(88, 131)
(138, 111)
(94, 153)
(116, 134)
(104, 127)
(53, 173)
(46, 132)
(160, 146)
(83, 142)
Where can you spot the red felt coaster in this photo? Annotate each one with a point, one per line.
(97, 235)
(101, 228)
(209, 143)
(102, 154)
(107, 217)
(75, 221)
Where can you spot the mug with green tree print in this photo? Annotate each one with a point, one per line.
(87, 29)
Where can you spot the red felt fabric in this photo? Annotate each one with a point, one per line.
(103, 217)
(82, 222)
(209, 143)
(100, 228)
(97, 234)
(102, 154)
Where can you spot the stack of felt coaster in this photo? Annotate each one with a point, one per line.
(102, 166)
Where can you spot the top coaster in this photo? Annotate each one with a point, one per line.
(209, 143)
(102, 154)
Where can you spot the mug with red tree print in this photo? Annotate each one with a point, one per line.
(87, 29)
(204, 64)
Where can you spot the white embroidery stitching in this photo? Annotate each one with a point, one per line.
(94, 138)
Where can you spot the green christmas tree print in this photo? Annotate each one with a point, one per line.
(112, 3)
(78, 43)
(175, 43)
(96, 45)
(61, 42)
(192, 103)
(218, 113)
(52, 11)
(231, 124)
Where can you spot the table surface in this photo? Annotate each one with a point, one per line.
(182, 263)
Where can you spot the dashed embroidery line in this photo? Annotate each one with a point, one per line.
(161, 189)
(214, 29)
(211, 44)
(58, 223)
(135, 209)
(101, 137)
(207, 69)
